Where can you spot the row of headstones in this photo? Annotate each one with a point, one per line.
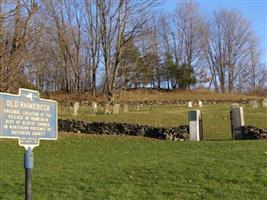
(190, 104)
(255, 104)
(114, 108)
(252, 103)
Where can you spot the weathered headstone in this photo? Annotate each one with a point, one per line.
(107, 108)
(237, 121)
(264, 103)
(195, 125)
(138, 108)
(116, 108)
(200, 104)
(125, 108)
(254, 104)
(93, 108)
(76, 106)
(190, 104)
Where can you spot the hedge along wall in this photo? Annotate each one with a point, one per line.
(111, 128)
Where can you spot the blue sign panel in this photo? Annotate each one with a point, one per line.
(27, 117)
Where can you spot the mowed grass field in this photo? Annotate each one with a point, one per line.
(85, 167)
(81, 167)
(216, 118)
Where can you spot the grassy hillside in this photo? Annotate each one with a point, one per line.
(216, 118)
(109, 167)
(153, 95)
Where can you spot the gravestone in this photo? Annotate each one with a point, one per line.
(93, 108)
(195, 125)
(107, 108)
(125, 108)
(264, 103)
(254, 104)
(237, 121)
(190, 104)
(200, 104)
(138, 108)
(76, 108)
(116, 108)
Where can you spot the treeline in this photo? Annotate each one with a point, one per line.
(107, 45)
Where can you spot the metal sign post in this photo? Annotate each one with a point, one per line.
(29, 119)
(28, 165)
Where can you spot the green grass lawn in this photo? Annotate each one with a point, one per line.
(81, 167)
(216, 118)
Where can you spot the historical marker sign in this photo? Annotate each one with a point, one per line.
(27, 117)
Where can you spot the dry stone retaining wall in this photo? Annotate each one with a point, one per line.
(112, 128)
(251, 132)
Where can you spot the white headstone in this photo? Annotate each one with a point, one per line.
(264, 103)
(255, 104)
(237, 121)
(76, 108)
(200, 104)
(194, 125)
(116, 108)
(190, 104)
(93, 108)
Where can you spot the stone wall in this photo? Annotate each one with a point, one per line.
(251, 132)
(170, 102)
(111, 128)
(179, 133)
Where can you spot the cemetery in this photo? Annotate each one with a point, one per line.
(129, 148)
(133, 100)
(216, 117)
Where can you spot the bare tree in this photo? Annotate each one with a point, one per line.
(120, 22)
(229, 47)
(16, 44)
(188, 24)
(92, 30)
(66, 17)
